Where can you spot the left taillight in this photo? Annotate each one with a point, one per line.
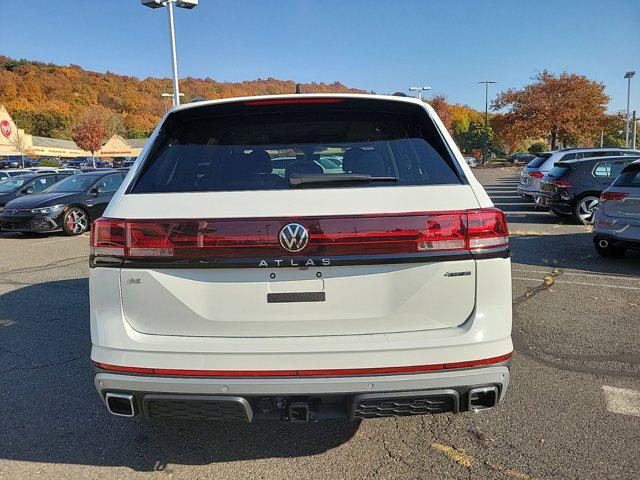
(108, 237)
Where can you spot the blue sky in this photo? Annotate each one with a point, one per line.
(380, 45)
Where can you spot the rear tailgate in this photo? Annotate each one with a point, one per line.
(298, 216)
(354, 295)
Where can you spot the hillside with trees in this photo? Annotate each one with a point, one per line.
(47, 100)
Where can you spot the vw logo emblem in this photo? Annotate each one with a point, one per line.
(293, 237)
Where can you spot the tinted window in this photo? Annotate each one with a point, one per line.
(74, 183)
(40, 184)
(616, 168)
(570, 156)
(630, 178)
(602, 169)
(536, 162)
(11, 184)
(559, 171)
(110, 184)
(261, 148)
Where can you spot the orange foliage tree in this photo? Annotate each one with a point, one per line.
(569, 107)
(443, 109)
(89, 132)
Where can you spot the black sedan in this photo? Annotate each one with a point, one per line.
(70, 205)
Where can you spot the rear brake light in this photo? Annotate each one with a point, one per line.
(562, 183)
(487, 228)
(616, 196)
(377, 234)
(536, 174)
(288, 101)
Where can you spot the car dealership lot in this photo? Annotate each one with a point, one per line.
(572, 410)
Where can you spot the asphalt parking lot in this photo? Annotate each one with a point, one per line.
(572, 411)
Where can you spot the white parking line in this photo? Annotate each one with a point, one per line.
(622, 400)
(586, 284)
(60, 240)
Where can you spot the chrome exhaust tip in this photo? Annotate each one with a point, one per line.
(603, 243)
(483, 398)
(120, 404)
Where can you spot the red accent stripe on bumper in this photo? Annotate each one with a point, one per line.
(304, 373)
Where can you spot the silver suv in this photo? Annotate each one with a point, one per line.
(617, 221)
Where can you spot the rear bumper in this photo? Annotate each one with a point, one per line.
(617, 241)
(325, 398)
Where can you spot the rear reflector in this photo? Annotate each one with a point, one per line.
(562, 183)
(289, 101)
(347, 372)
(616, 196)
(378, 234)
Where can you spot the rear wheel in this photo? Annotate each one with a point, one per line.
(75, 221)
(584, 209)
(605, 249)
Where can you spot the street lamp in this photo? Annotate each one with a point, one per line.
(486, 119)
(628, 76)
(170, 95)
(419, 90)
(188, 4)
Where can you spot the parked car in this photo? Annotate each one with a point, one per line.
(70, 171)
(471, 161)
(222, 287)
(14, 187)
(17, 172)
(544, 162)
(573, 187)
(520, 158)
(76, 163)
(70, 205)
(617, 219)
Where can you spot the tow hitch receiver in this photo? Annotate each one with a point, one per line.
(298, 412)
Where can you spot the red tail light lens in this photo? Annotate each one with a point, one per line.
(108, 237)
(328, 236)
(616, 196)
(487, 229)
(562, 183)
(536, 174)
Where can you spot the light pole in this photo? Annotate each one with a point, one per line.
(189, 4)
(419, 90)
(486, 119)
(628, 76)
(170, 95)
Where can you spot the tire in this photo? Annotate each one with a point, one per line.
(583, 211)
(75, 221)
(608, 250)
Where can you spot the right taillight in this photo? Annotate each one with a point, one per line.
(377, 234)
(616, 196)
(536, 174)
(487, 228)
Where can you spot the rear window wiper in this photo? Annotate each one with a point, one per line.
(297, 180)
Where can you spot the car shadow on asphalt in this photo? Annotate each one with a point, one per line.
(50, 411)
(573, 251)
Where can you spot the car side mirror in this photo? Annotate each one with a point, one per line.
(95, 191)
(27, 191)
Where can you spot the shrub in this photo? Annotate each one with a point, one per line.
(48, 163)
(537, 147)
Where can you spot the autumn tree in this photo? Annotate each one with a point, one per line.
(507, 134)
(443, 109)
(567, 107)
(89, 132)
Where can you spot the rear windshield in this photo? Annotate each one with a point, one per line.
(536, 162)
(265, 146)
(629, 178)
(559, 171)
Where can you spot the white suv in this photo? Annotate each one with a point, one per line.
(300, 257)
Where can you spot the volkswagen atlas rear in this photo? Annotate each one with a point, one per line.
(297, 258)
